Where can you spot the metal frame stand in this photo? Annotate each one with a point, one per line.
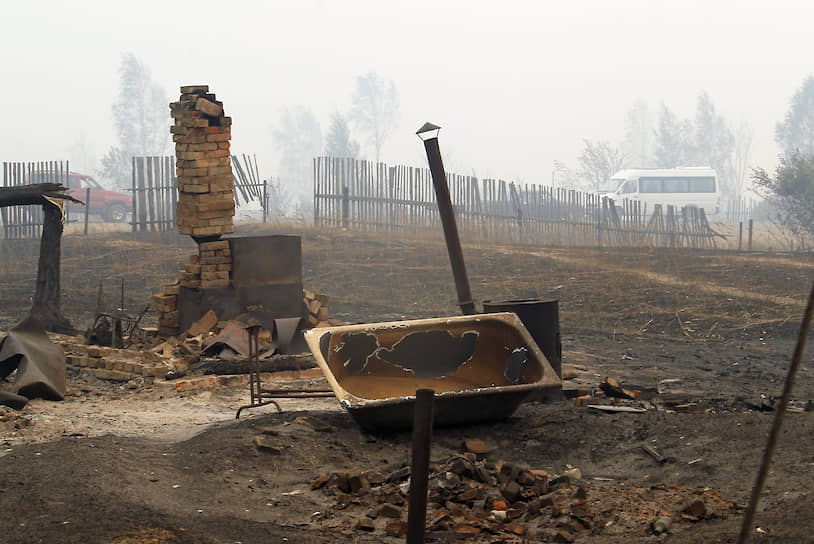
(259, 394)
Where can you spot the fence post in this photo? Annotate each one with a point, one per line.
(750, 235)
(420, 465)
(345, 206)
(133, 202)
(265, 199)
(599, 227)
(87, 208)
(740, 236)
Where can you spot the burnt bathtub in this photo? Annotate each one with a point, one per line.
(481, 368)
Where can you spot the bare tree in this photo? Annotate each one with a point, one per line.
(298, 138)
(713, 142)
(338, 142)
(598, 162)
(141, 113)
(738, 161)
(141, 117)
(638, 144)
(81, 153)
(673, 145)
(796, 131)
(375, 109)
(562, 175)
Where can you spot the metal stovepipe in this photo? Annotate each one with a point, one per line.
(456, 257)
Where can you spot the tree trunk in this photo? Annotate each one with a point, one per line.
(47, 308)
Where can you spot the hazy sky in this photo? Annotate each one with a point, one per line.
(515, 85)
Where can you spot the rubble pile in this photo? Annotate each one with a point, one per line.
(206, 203)
(147, 360)
(193, 350)
(480, 501)
(669, 395)
(116, 364)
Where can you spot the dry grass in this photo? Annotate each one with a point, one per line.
(372, 277)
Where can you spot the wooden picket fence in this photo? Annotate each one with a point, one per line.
(26, 221)
(155, 190)
(739, 209)
(155, 193)
(371, 196)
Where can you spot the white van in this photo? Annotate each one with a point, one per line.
(688, 186)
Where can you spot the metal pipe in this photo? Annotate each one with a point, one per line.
(420, 466)
(254, 370)
(748, 518)
(87, 208)
(456, 257)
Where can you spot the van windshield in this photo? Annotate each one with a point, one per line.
(628, 187)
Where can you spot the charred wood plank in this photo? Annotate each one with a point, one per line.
(35, 194)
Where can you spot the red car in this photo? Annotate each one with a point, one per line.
(111, 205)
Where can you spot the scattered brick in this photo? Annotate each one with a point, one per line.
(396, 528)
(388, 510)
(262, 444)
(477, 446)
(364, 524)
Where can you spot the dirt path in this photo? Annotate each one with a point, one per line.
(155, 412)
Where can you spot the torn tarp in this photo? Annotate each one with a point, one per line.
(39, 362)
(232, 342)
(232, 336)
(16, 402)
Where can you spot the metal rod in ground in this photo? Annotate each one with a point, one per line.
(749, 517)
(420, 468)
(87, 208)
(456, 256)
(254, 366)
(265, 198)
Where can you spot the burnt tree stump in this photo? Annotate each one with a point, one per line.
(46, 307)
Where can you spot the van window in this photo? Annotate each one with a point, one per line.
(629, 186)
(675, 185)
(702, 185)
(650, 185)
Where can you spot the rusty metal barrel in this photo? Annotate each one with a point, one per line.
(542, 319)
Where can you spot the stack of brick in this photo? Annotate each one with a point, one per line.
(190, 276)
(118, 365)
(115, 364)
(206, 203)
(317, 308)
(216, 263)
(166, 306)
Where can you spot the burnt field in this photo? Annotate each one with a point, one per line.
(112, 464)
